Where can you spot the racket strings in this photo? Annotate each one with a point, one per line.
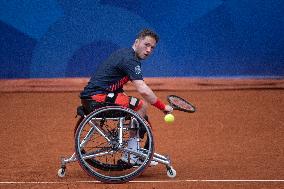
(180, 103)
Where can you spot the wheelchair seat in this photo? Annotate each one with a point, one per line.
(90, 105)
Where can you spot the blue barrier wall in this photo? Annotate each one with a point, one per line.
(207, 38)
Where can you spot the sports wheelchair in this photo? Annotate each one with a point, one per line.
(101, 136)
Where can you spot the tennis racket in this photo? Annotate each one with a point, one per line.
(180, 104)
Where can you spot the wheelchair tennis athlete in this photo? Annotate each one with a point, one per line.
(113, 137)
(123, 65)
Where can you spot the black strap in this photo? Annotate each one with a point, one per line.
(111, 97)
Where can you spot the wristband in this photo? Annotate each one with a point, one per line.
(159, 104)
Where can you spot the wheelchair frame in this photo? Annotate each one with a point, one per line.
(117, 144)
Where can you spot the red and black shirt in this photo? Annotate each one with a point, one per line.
(119, 68)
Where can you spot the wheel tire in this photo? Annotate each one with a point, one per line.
(61, 172)
(109, 176)
(171, 172)
(98, 164)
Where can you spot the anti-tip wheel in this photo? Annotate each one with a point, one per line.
(171, 172)
(61, 172)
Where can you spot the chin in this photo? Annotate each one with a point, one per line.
(142, 57)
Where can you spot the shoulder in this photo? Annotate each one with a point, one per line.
(123, 51)
(127, 54)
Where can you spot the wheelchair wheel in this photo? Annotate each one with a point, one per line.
(106, 166)
(94, 162)
(101, 140)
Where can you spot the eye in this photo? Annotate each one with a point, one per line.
(149, 45)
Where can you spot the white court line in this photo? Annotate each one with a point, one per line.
(149, 181)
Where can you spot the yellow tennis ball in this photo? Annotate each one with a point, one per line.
(169, 118)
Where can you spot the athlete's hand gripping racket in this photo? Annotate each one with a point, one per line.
(180, 104)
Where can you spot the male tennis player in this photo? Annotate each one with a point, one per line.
(124, 65)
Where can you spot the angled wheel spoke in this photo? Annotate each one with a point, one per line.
(102, 144)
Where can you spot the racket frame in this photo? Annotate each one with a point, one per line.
(175, 107)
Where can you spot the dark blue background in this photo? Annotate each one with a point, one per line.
(207, 38)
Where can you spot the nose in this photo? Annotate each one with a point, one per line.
(149, 49)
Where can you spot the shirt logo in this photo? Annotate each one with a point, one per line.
(137, 70)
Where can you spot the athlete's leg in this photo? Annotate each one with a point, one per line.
(143, 110)
(140, 107)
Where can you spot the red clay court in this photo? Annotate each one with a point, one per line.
(234, 140)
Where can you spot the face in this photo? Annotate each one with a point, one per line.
(144, 47)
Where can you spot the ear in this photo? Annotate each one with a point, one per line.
(136, 41)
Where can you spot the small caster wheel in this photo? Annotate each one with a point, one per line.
(61, 172)
(171, 172)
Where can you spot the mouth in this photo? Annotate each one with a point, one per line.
(144, 55)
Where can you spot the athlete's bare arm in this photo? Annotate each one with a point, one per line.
(146, 92)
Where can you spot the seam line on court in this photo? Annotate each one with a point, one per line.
(162, 181)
